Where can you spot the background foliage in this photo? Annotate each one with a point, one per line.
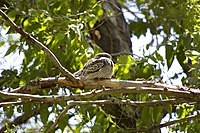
(63, 26)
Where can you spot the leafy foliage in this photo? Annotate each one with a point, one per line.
(63, 27)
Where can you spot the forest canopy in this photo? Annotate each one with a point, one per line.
(43, 42)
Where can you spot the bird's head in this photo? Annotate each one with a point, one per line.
(106, 55)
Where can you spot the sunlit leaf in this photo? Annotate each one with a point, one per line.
(11, 49)
(2, 43)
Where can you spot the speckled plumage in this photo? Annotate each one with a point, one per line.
(99, 67)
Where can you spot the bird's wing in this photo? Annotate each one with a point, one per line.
(94, 65)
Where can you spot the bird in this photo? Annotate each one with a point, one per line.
(99, 67)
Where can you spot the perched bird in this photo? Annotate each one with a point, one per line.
(99, 67)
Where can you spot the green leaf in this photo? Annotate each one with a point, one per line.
(27, 108)
(123, 66)
(147, 71)
(152, 58)
(100, 14)
(97, 128)
(7, 127)
(9, 111)
(169, 55)
(44, 113)
(187, 40)
(92, 22)
(63, 122)
(12, 14)
(168, 108)
(11, 49)
(2, 43)
(157, 114)
(158, 56)
(146, 116)
(181, 56)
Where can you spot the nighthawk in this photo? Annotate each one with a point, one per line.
(99, 67)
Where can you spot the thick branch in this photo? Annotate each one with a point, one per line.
(124, 86)
(98, 93)
(39, 45)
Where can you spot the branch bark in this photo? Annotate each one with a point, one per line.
(97, 93)
(152, 103)
(123, 86)
(39, 45)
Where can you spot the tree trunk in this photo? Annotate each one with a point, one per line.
(112, 34)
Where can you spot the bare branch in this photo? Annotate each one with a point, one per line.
(98, 93)
(188, 118)
(39, 45)
(124, 86)
(15, 103)
(57, 98)
(135, 103)
(60, 116)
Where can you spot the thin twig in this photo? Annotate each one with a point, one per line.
(60, 116)
(152, 103)
(188, 118)
(15, 103)
(42, 47)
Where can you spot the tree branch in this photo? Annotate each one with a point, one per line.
(20, 120)
(15, 103)
(39, 45)
(152, 103)
(124, 86)
(188, 118)
(97, 93)
(131, 103)
(60, 116)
